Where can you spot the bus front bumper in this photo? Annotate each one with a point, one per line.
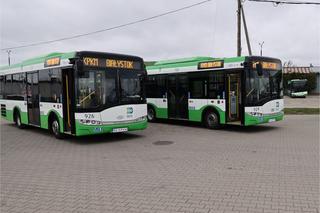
(299, 94)
(82, 129)
(254, 120)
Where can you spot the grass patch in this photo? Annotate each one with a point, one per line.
(301, 111)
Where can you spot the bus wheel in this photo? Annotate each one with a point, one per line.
(211, 120)
(17, 120)
(151, 114)
(55, 129)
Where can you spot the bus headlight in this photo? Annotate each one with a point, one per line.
(90, 122)
(256, 114)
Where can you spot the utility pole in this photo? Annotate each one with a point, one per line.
(9, 51)
(239, 28)
(261, 45)
(246, 31)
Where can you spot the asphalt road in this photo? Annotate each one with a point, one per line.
(171, 167)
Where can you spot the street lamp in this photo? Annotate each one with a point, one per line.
(261, 45)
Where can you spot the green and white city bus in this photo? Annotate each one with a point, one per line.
(297, 88)
(76, 93)
(242, 90)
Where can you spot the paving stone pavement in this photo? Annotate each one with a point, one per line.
(311, 101)
(269, 168)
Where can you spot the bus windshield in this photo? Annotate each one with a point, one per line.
(101, 89)
(264, 88)
(298, 85)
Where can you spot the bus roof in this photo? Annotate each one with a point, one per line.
(39, 60)
(189, 62)
(183, 60)
(54, 60)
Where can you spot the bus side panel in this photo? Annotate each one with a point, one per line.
(197, 106)
(46, 109)
(23, 112)
(160, 105)
(7, 107)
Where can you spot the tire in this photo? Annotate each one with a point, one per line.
(17, 120)
(55, 128)
(151, 114)
(211, 120)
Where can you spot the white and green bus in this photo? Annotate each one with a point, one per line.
(297, 88)
(76, 93)
(243, 90)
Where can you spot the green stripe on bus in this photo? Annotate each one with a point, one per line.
(40, 60)
(253, 120)
(44, 120)
(82, 129)
(160, 112)
(196, 115)
(9, 116)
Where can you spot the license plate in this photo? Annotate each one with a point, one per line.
(119, 130)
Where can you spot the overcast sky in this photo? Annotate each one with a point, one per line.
(290, 32)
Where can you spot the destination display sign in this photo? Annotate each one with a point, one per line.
(267, 65)
(210, 64)
(111, 63)
(52, 62)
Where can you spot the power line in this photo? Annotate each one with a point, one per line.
(285, 2)
(107, 29)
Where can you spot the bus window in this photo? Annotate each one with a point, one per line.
(130, 84)
(198, 85)
(8, 86)
(216, 88)
(18, 86)
(1, 86)
(50, 85)
(96, 89)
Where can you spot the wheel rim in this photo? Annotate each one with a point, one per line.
(55, 127)
(150, 114)
(212, 119)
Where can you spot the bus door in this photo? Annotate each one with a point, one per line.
(68, 100)
(33, 98)
(178, 96)
(233, 82)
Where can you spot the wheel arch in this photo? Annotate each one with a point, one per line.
(150, 105)
(16, 109)
(210, 108)
(52, 114)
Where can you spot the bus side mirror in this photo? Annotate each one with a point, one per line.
(259, 69)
